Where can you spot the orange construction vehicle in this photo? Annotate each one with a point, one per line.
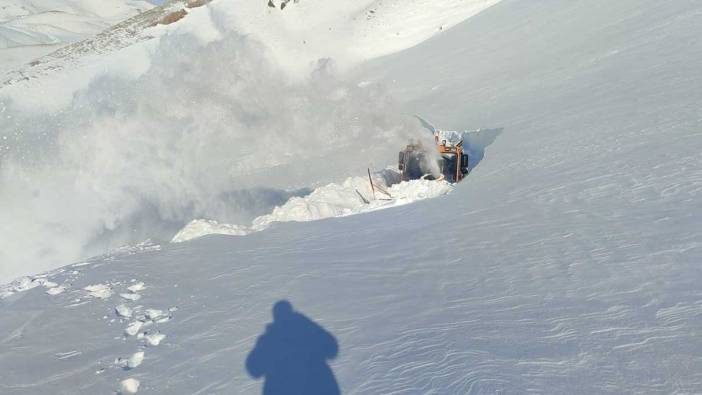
(451, 163)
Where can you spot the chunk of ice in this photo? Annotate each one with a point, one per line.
(101, 291)
(129, 386)
(123, 311)
(133, 328)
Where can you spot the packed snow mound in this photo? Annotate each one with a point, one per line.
(353, 196)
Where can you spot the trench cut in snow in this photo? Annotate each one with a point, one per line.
(353, 196)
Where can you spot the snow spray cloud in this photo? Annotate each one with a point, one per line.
(210, 130)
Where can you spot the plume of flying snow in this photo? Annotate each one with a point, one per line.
(211, 129)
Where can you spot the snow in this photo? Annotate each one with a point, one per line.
(130, 296)
(129, 386)
(56, 290)
(123, 311)
(134, 328)
(101, 291)
(154, 314)
(229, 185)
(26, 283)
(353, 196)
(566, 262)
(135, 360)
(137, 286)
(348, 32)
(29, 29)
(154, 339)
(88, 148)
(202, 227)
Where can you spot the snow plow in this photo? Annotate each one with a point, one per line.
(447, 161)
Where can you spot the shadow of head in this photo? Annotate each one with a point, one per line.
(282, 310)
(292, 353)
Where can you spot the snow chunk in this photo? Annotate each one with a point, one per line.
(137, 287)
(49, 284)
(129, 386)
(135, 360)
(25, 284)
(154, 339)
(101, 291)
(154, 314)
(131, 296)
(123, 311)
(134, 328)
(56, 290)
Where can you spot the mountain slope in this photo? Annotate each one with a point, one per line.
(567, 262)
(31, 29)
(209, 93)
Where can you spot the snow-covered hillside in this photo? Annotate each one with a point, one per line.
(81, 61)
(567, 262)
(209, 81)
(30, 29)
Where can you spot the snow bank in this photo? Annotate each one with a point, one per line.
(353, 196)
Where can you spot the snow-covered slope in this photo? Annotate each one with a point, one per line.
(210, 81)
(82, 60)
(29, 29)
(348, 32)
(567, 262)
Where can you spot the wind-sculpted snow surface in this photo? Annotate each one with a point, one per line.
(568, 262)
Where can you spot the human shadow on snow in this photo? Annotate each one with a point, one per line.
(292, 354)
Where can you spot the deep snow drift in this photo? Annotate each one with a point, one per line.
(567, 262)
